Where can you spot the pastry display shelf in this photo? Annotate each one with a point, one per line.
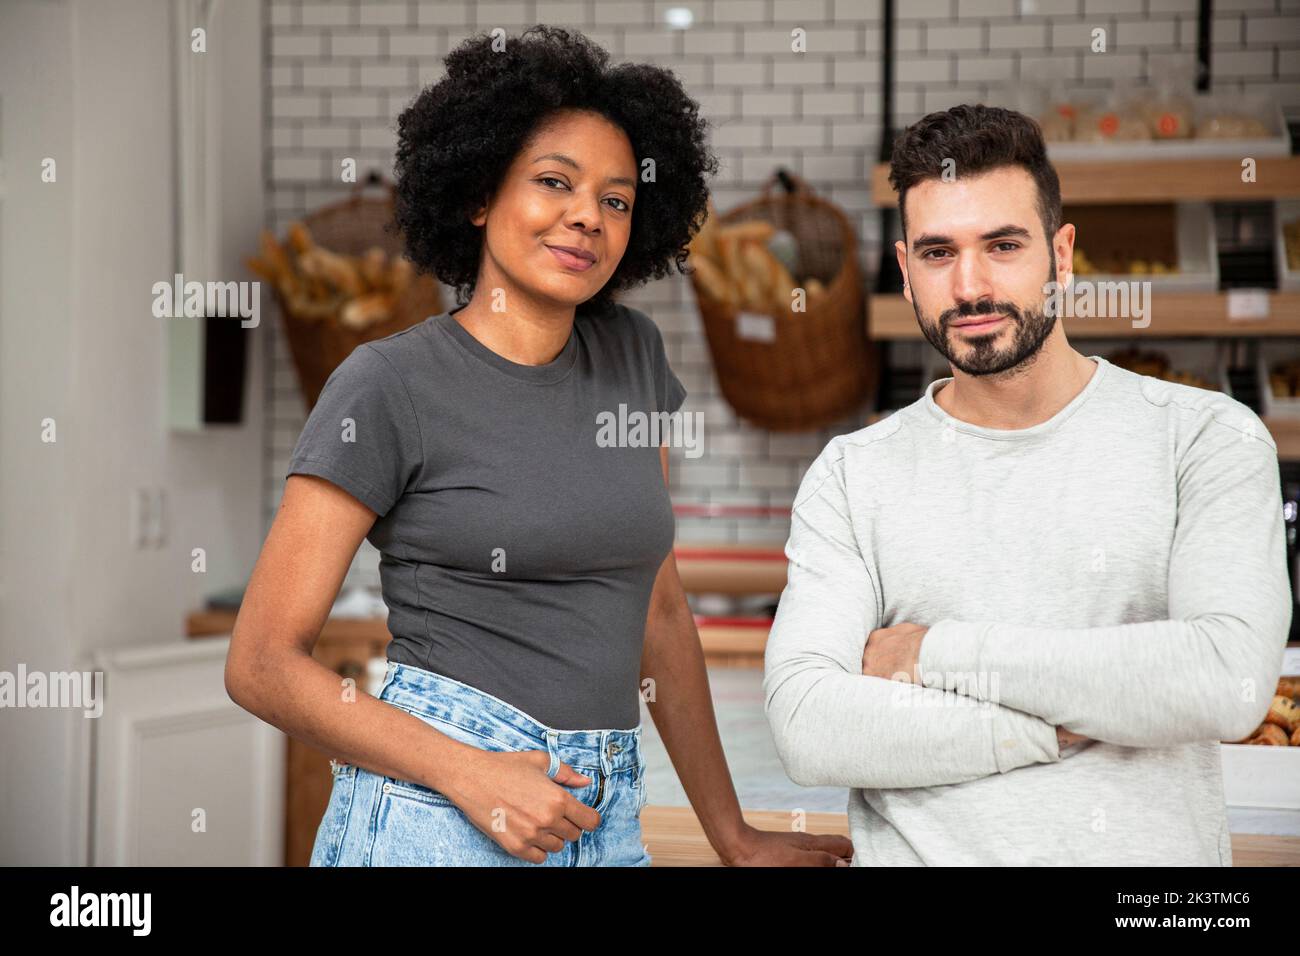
(1171, 315)
(1153, 180)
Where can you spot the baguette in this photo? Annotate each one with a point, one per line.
(704, 243)
(781, 284)
(374, 268)
(305, 306)
(367, 310)
(339, 271)
(713, 282)
(729, 260)
(262, 269)
(300, 239)
(400, 274)
(274, 255)
(759, 229)
(757, 280)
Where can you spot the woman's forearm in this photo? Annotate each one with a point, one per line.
(682, 710)
(302, 697)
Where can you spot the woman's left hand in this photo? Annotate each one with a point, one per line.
(773, 848)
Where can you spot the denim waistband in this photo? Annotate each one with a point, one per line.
(442, 698)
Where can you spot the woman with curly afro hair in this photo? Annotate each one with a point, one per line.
(496, 456)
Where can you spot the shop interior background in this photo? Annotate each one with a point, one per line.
(293, 85)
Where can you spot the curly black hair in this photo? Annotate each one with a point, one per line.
(459, 136)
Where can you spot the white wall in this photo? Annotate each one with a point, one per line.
(89, 83)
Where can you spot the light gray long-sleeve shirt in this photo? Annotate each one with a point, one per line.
(1118, 570)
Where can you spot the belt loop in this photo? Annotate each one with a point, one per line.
(389, 672)
(552, 747)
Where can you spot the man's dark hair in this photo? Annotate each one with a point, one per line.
(977, 139)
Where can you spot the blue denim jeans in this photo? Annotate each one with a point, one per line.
(376, 820)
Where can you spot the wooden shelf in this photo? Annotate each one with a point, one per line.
(731, 568)
(733, 642)
(1156, 180)
(1286, 432)
(1171, 314)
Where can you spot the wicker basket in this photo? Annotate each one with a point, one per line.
(350, 227)
(818, 365)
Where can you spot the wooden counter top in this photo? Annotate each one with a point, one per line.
(674, 837)
(673, 834)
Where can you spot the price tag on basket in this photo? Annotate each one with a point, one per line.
(1245, 305)
(755, 327)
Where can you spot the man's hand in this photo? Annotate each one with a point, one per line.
(892, 652)
(1064, 738)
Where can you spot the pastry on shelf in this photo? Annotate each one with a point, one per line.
(1269, 735)
(1284, 713)
(1188, 378)
(1231, 126)
(1291, 239)
(1281, 726)
(1157, 366)
(1284, 379)
(1082, 265)
(1110, 125)
(1141, 362)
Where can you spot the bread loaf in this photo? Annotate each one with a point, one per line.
(367, 309)
(714, 284)
(339, 271)
(1270, 735)
(1283, 713)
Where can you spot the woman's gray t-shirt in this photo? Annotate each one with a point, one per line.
(518, 553)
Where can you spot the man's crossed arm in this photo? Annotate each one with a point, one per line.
(1207, 673)
(832, 725)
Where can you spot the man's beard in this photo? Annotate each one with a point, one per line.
(1030, 330)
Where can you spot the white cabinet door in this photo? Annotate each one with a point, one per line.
(182, 775)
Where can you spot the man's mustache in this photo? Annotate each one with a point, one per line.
(982, 308)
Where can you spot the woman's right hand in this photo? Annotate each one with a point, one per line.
(508, 796)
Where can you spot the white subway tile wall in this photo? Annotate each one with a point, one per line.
(339, 71)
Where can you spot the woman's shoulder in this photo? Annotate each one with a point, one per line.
(629, 326)
(405, 352)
